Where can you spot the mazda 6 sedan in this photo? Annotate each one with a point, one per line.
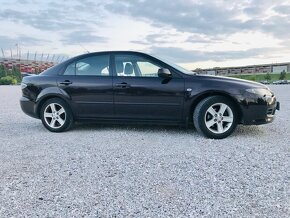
(133, 87)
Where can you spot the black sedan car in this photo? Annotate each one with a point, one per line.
(135, 87)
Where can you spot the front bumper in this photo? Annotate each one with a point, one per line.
(257, 114)
(28, 107)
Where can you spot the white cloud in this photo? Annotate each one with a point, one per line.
(195, 33)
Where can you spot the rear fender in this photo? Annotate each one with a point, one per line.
(50, 92)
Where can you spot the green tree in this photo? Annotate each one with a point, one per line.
(2, 71)
(267, 77)
(282, 75)
(15, 73)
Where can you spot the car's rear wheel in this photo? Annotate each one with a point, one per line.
(215, 117)
(56, 115)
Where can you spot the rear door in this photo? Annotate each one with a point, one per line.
(140, 94)
(88, 82)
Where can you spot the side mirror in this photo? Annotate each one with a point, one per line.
(164, 73)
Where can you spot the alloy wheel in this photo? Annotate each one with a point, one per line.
(54, 115)
(219, 118)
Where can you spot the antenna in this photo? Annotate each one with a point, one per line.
(84, 48)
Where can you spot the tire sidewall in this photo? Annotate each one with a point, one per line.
(69, 117)
(202, 111)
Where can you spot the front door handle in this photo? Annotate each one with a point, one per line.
(122, 85)
(66, 82)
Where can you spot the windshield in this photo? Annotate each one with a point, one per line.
(179, 68)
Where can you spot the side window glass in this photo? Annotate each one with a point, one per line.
(70, 69)
(148, 69)
(93, 66)
(90, 66)
(135, 66)
(124, 68)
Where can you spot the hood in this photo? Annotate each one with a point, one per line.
(232, 81)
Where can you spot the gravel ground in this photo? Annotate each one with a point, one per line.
(136, 171)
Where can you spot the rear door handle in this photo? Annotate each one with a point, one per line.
(66, 82)
(122, 85)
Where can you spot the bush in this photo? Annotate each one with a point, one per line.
(2, 71)
(282, 75)
(8, 80)
(267, 77)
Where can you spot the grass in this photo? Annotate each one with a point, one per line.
(261, 77)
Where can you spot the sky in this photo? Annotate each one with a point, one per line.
(192, 33)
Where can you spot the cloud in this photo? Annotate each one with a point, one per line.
(204, 17)
(7, 42)
(283, 9)
(180, 55)
(190, 30)
(80, 37)
(42, 19)
(55, 15)
(185, 16)
(156, 38)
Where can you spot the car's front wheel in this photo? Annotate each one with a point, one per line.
(215, 117)
(56, 115)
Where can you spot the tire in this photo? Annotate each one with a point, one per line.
(56, 115)
(215, 117)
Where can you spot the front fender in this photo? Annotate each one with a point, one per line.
(193, 98)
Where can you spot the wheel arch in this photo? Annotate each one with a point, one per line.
(49, 94)
(204, 95)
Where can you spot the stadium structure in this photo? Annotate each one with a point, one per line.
(32, 63)
(246, 70)
(26, 66)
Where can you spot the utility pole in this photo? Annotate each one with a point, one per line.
(27, 56)
(62, 59)
(52, 58)
(57, 59)
(17, 50)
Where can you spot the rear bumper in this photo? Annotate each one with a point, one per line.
(28, 107)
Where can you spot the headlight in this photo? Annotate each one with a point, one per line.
(266, 94)
(259, 91)
(23, 85)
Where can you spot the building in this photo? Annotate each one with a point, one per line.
(246, 70)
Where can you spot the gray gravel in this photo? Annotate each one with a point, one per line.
(136, 171)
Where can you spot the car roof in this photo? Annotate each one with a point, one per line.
(112, 52)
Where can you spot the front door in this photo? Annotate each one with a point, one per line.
(88, 82)
(140, 94)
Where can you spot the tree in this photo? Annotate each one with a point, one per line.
(267, 77)
(15, 73)
(282, 75)
(2, 71)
